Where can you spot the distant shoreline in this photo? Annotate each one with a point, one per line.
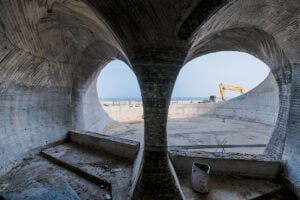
(139, 99)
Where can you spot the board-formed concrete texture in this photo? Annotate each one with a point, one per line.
(51, 52)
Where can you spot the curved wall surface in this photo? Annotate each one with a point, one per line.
(89, 114)
(51, 51)
(42, 46)
(35, 103)
(261, 104)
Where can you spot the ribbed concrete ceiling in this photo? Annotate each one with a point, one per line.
(54, 30)
(62, 44)
(60, 31)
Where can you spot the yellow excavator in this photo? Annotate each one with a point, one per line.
(233, 88)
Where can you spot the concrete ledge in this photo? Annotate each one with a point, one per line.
(227, 164)
(112, 172)
(212, 146)
(116, 146)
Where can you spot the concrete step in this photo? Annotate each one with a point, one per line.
(100, 167)
(113, 145)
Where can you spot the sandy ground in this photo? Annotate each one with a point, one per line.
(203, 131)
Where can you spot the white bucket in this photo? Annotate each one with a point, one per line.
(200, 177)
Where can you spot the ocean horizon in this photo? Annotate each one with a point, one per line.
(139, 98)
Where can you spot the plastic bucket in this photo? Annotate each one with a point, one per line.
(200, 177)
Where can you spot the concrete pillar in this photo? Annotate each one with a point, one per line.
(156, 180)
(276, 143)
(291, 153)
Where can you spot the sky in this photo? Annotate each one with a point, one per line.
(198, 78)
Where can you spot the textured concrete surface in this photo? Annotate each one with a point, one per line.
(245, 165)
(44, 188)
(261, 104)
(45, 175)
(94, 174)
(223, 188)
(52, 51)
(97, 165)
(292, 143)
(36, 118)
(113, 145)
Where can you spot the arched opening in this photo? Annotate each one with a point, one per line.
(263, 46)
(120, 97)
(200, 77)
(243, 123)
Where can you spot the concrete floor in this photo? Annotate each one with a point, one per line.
(36, 178)
(75, 172)
(99, 165)
(224, 188)
(72, 171)
(203, 131)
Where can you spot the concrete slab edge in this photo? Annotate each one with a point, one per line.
(227, 166)
(116, 146)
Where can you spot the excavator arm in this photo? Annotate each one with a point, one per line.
(233, 88)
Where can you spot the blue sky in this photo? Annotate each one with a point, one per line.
(198, 78)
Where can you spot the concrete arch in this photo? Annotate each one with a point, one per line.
(265, 95)
(259, 44)
(263, 46)
(42, 57)
(87, 113)
(119, 93)
(41, 54)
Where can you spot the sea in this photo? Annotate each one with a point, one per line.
(139, 99)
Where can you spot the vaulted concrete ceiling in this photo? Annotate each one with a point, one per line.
(52, 50)
(60, 31)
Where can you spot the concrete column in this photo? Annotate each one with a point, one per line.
(276, 143)
(291, 153)
(156, 180)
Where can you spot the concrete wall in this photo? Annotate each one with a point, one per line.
(36, 118)
(245, 166)
(123, 113)
(190, 110)
(126, 113)
(261, 104)
(39, 54)
(35, 103)
(50, 51)
(87, 112)
(291, 153)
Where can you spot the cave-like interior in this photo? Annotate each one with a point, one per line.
(51, 53)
